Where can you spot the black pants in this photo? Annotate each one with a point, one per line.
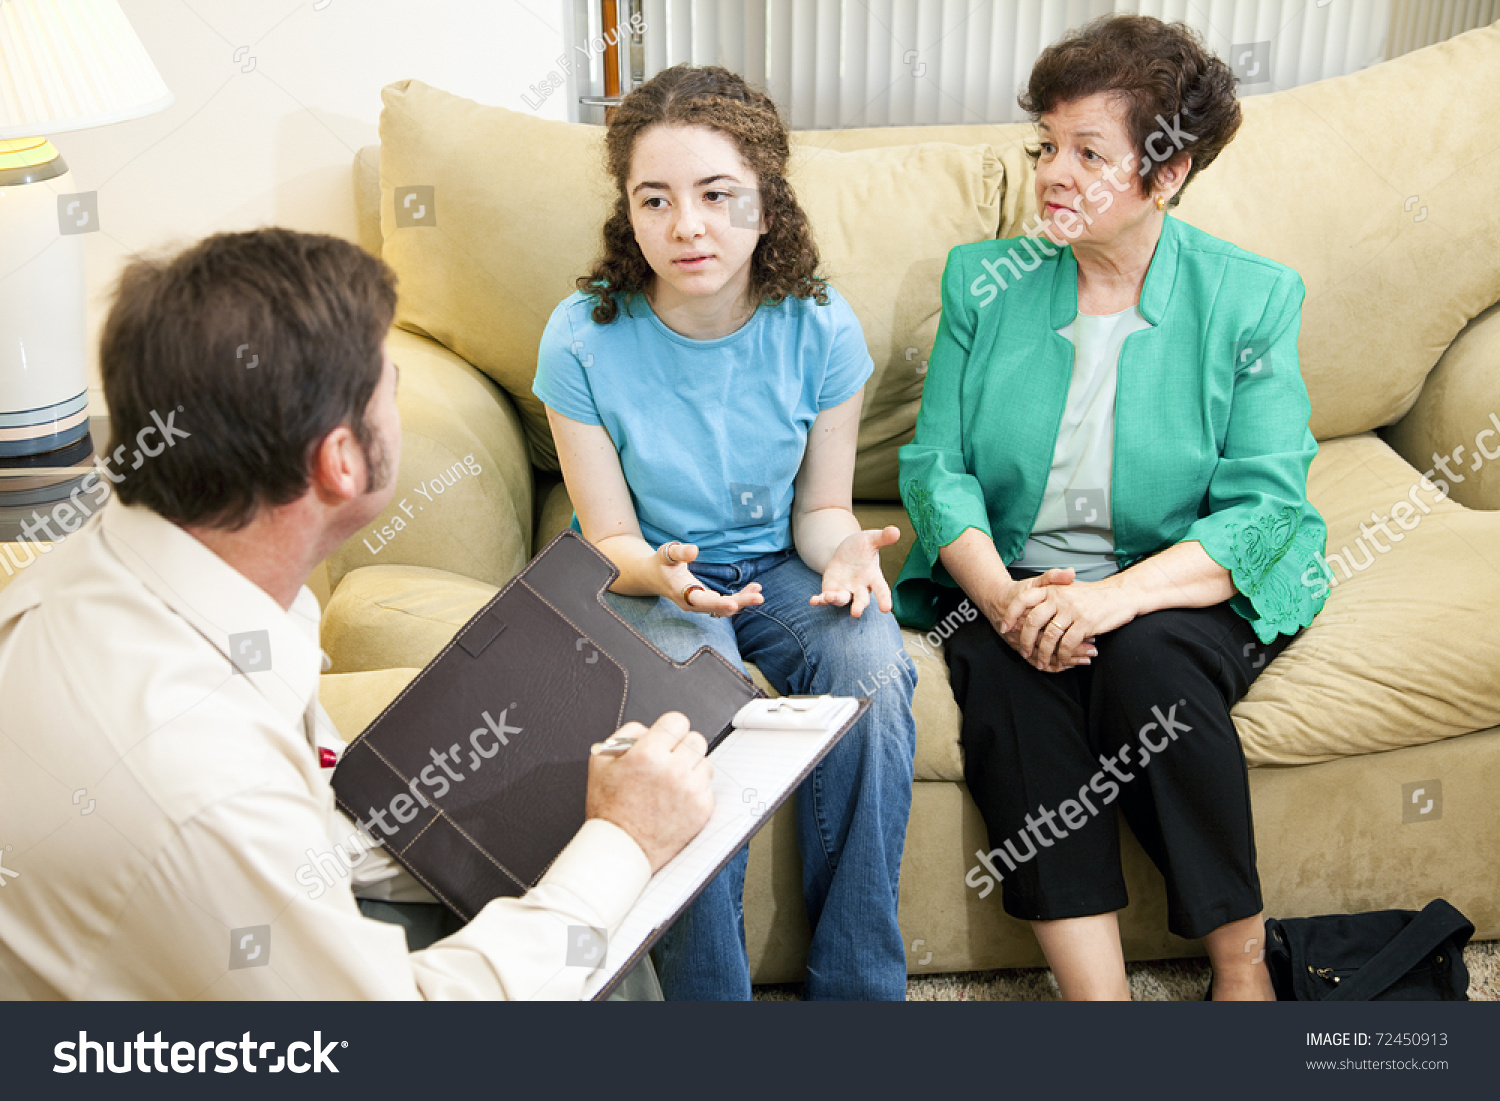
(1146, 725)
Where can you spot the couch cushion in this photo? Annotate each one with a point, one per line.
(555, 513)
(1460, 408)
(939, 754)
(353, 700)
(1382, 207)
(1407, 648)
(1008, 141)
(483, 280)
(519, 202)
(884, 220)
(397, 617)
(367, 198)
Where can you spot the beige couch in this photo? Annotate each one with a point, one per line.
(1375, 187)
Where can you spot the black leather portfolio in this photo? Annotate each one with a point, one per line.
(474, 777)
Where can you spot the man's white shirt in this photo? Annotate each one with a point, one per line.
(160, 807)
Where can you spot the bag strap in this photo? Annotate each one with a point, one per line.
(1438, 921)
(1298, 989)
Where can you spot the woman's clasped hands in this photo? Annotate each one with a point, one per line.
(1053, 621)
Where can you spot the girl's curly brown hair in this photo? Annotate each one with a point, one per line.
(785, 261)
(1162, 70)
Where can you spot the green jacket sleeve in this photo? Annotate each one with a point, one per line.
(1260, 525)
(941, 496)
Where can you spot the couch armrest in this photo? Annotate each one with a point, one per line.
(367, 198)
(397, 617)
(354, 700)
(1459, 407)
(462, 496)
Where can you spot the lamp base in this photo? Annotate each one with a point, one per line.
(36, 431)
(43, 373)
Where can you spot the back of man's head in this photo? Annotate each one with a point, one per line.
(260, 343)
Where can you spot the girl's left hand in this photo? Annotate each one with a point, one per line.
(853, 575)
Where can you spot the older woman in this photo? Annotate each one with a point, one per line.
(1111, 464)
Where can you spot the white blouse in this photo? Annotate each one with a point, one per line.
(1073, 527)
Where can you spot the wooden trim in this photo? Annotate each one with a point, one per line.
(609, 14)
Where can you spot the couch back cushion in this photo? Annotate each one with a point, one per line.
(519, 203)
(1458, 415)
(1403, 652)
(884, 220)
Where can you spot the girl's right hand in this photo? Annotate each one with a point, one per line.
(682, 588)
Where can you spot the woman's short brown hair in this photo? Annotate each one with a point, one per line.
(253, 346)
(1166, 76)
(785, 261)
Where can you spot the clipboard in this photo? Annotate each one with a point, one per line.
(475, 776)
(756, 767)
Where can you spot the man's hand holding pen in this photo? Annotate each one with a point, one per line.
(655, 784)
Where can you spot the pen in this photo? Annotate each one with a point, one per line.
(612, 746)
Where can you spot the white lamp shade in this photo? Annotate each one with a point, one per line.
(71, 65)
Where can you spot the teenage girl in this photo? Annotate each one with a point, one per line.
(704, 388)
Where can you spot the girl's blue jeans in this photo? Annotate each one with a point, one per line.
(851, 811)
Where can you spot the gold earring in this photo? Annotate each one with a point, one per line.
(1161, 202)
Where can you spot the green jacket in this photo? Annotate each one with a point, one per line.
(1211, 440)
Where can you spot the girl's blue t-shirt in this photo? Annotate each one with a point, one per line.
(710, 433)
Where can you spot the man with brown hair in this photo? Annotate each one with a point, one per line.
(162, 752)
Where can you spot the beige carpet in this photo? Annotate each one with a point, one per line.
(1157, 981)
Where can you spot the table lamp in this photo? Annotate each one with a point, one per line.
(64, 65)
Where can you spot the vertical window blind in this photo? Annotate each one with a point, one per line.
(1418, 23)
(854, 63)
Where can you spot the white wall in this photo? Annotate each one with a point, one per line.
(274, 145)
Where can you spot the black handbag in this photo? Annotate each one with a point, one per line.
(1385, 955)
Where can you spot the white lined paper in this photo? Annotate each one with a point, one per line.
(754, 771)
